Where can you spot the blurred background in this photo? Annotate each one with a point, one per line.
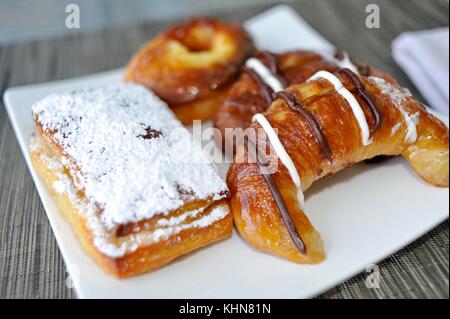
(423, 56)
(22, 20)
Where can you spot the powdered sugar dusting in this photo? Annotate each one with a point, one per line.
(127, 152)
(398, 96)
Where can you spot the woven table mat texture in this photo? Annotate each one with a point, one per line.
(31, 265)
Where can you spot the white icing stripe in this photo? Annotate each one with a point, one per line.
(282, 155)
(329, 77)
(265, 74)
(346, 63)
(397, 96)
(352, 101)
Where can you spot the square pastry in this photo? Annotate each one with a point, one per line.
(130, 179)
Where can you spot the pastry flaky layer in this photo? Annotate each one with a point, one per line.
(124, 173)
(342, 134)
(190, 66)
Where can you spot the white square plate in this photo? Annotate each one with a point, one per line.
(364, 214)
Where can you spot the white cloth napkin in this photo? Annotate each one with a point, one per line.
(424, 57)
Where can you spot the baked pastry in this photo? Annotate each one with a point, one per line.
(266, 73)
(191, 66)
(316, 129)
(126, 174)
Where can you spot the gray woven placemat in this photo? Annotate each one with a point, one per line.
(30, 262)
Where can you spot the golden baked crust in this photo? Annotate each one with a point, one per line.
(191, 64)
(145, 258)
(256, 214)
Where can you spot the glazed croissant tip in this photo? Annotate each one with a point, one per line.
(431, 165)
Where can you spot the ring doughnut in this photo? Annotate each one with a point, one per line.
(190, 66)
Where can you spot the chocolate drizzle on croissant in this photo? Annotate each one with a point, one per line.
(362, 92)
(271, 60)
(274, 190)
(312, 123)
(264, 90)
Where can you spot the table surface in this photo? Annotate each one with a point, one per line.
(31, 265)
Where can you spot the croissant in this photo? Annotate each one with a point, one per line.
(191, 66)
(318, 128)
(268, 72)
